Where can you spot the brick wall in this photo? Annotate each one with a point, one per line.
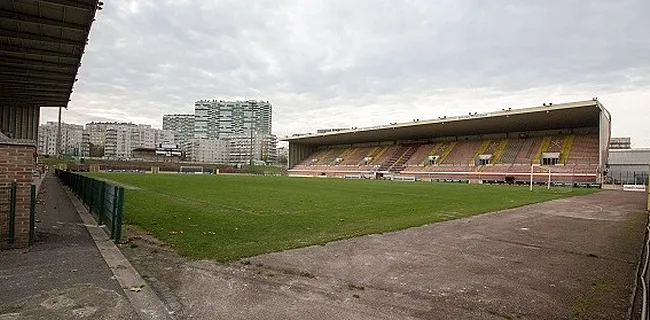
(16, 164)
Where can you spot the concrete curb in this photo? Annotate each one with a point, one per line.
(145, 302)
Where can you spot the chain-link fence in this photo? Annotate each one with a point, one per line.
(627, 177)
(103, 200)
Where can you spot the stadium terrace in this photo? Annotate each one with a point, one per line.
(567, 141)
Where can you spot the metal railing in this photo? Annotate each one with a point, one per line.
(103, 200)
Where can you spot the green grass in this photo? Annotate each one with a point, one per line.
(227, 217)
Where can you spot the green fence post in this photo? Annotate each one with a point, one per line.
(118, 214)
(12, 212)
(114, 212)
(32, 215)
(102, 187)
(92, 194)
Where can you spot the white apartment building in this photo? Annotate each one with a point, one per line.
(182, 125)
(214, 119)
(71, 139)
(207, 150)
(118, 139)
(262, 147)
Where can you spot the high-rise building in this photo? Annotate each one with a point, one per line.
(70, 143)
(244, 150)
(182, 125)
(224, 131)
(207, 150)
(214, 119)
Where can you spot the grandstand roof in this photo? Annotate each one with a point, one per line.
(41, 44)
(557, 116)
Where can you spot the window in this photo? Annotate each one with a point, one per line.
(550, 158)
(550, 161)
(483, 159)
(431, 160)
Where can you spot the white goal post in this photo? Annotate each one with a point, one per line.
(191, 169)
(548, 169)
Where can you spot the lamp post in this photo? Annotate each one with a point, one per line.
(57, 150)
(251, 142)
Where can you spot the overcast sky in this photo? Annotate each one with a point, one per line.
(331, 63)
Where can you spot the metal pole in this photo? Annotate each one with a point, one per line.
(251, 146)
(549, 179)
(531, 177)
(57, 150)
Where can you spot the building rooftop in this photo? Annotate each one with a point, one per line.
(41, 44)
(548, 116)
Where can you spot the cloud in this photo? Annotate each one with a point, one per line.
(355, 63)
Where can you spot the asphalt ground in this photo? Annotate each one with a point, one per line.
(573, 258)
(63, 276)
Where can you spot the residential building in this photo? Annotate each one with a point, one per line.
(282, 156)
(182, 125)
(260, 149)
(207, 150)
(70, 143)
(118, 139)
(215, 119)
(119, 143)
(220, 131)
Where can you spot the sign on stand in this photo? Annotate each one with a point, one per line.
(634, 187)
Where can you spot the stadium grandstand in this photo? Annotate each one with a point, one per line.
(568, 142)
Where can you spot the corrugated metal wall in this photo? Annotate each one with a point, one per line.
(20, 122)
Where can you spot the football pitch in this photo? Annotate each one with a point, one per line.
(227, 217)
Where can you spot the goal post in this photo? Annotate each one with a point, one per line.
(191, 169)
(551, 178)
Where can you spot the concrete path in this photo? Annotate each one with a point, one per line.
(63, 276)
(573, 258)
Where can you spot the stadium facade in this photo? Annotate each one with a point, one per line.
(570, 140)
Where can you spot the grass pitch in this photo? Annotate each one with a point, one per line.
(227, 217)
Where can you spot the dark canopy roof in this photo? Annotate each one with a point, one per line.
(558, 116)
(41, 44)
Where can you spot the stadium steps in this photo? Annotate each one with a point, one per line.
(498, 151)
(528, 146)
(462, 153)
(421, 153)
(556, 144)
(566, 148)
(546, 143)
(394, 157)
(371, 154)
(355, 156)
(346, 152)
(449, 148)
(481, 150)
(584, 150)
(331, 156)
(509, 154)
(316, 155)
(378, 154)
(400, 164)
